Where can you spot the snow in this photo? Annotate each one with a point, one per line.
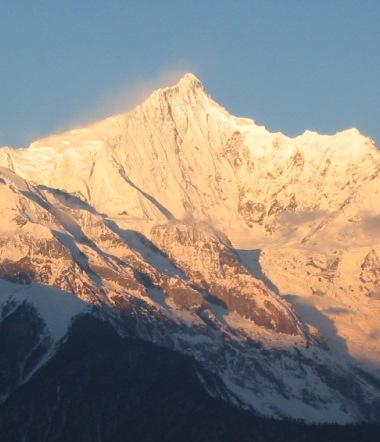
(56, 308)
(292, 206)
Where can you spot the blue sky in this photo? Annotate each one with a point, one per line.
(289, 64)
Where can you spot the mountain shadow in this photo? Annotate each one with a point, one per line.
(135, 240)
(149, 251)
(251, 261)
(166, 212)
(311, 315)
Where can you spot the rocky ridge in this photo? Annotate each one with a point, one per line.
(253, 252)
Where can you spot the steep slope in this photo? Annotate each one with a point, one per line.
(181, 155)
(33, 319)
(52, 238)
(137, 391)
(208, 306)
(336, 291)
(141, 213)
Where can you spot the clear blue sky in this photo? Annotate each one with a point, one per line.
(289, 64)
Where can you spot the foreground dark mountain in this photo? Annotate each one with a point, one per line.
(99, 386)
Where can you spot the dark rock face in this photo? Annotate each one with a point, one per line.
(212, 265)
(370, 274)
(99, 386)
(20, 272)
(271, 317)
(38, 266)
(185, 297)
(253, 213)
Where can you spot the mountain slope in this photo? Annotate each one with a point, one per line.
(33, 320)
(209, 307)
(181, 155)
(197, 230)
(136, 391)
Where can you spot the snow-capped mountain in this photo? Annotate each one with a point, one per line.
(255, 253)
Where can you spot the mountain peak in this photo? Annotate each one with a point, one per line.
(187, 83)
(189, 80)
(188, 89)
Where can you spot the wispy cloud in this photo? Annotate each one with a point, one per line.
(133, 92)
(123, 98)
